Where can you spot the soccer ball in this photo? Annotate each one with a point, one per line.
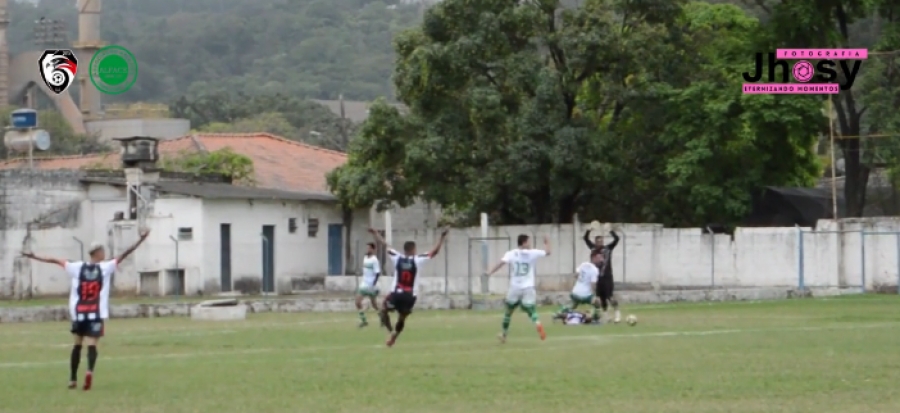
(631, 320)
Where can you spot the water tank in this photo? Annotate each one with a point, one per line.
(23, 118)
(139, 151)
(22, 140)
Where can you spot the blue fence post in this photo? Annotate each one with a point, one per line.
(862, 257)
(800, 281)
(897, 235)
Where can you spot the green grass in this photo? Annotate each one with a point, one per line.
(822, 356)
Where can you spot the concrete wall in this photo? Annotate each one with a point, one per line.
(298, 256)
(45, 209)
(418, 216)
(649, 256)
(54, 214)
(167, 128)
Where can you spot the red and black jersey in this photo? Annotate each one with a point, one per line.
(90, 283)
(407, 271)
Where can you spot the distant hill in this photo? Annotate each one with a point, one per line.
(314, 49)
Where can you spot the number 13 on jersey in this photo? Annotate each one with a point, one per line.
(521, 269)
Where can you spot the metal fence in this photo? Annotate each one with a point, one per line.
(822, 261)
(881, 250)
(482, 254)
(848, 259)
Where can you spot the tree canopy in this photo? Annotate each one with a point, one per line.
(532, 110)
(619, 111)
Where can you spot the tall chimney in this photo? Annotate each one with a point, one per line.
(88, 43)
(4, 55)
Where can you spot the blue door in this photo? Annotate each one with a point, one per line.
(335, 249)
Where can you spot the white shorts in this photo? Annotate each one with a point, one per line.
(521, 296)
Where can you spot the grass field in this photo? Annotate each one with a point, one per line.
(840, 355)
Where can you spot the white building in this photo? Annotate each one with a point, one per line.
(284, 234)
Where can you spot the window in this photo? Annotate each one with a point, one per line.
(313, 227)
(185, 234)
(292, 225)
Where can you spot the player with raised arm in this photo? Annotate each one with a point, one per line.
(522, 292)
(369, 285)
(586, 277)
(605, 284)
(88, 301)
(405, 287)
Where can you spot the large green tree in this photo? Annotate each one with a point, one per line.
(289, 117)
(865, 109)
(617, 110)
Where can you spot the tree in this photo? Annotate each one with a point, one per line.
(224, 161)
(829, 24)
(535, 114)
(271, 122)
(291, 118)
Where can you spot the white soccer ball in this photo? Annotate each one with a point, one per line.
(631, 320)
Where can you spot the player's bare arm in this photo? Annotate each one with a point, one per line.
(378, 238)
(48, 260)
(143, 236)
(547, 245)
(496, 268)
(437, 248)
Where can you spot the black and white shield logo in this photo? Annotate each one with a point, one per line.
(58, 69)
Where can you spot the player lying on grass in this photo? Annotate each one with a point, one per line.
(605, 285)
(586, 277)
(368, 288)
(521, 292)
(575, 318)
(88, 301)
(405, 288)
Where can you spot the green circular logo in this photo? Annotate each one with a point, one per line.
(113, 70)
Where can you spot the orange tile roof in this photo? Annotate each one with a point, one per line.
(279, 163)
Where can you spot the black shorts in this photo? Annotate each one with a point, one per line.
(88, 328)
(605, 288)
(403, 302)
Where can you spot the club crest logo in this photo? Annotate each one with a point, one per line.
(91, 272)
(58, 69)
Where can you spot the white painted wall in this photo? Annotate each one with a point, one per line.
(296, 256)
(673, 258)
(648, 253)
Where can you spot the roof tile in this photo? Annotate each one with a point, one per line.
(279, 163)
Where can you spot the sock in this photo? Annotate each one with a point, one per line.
(74, 361)
(563, 309)
(92, 358)
(386, 321)
(532, 313)
(400, 324)
(596, 313)
(507, 316)
(362, 316)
